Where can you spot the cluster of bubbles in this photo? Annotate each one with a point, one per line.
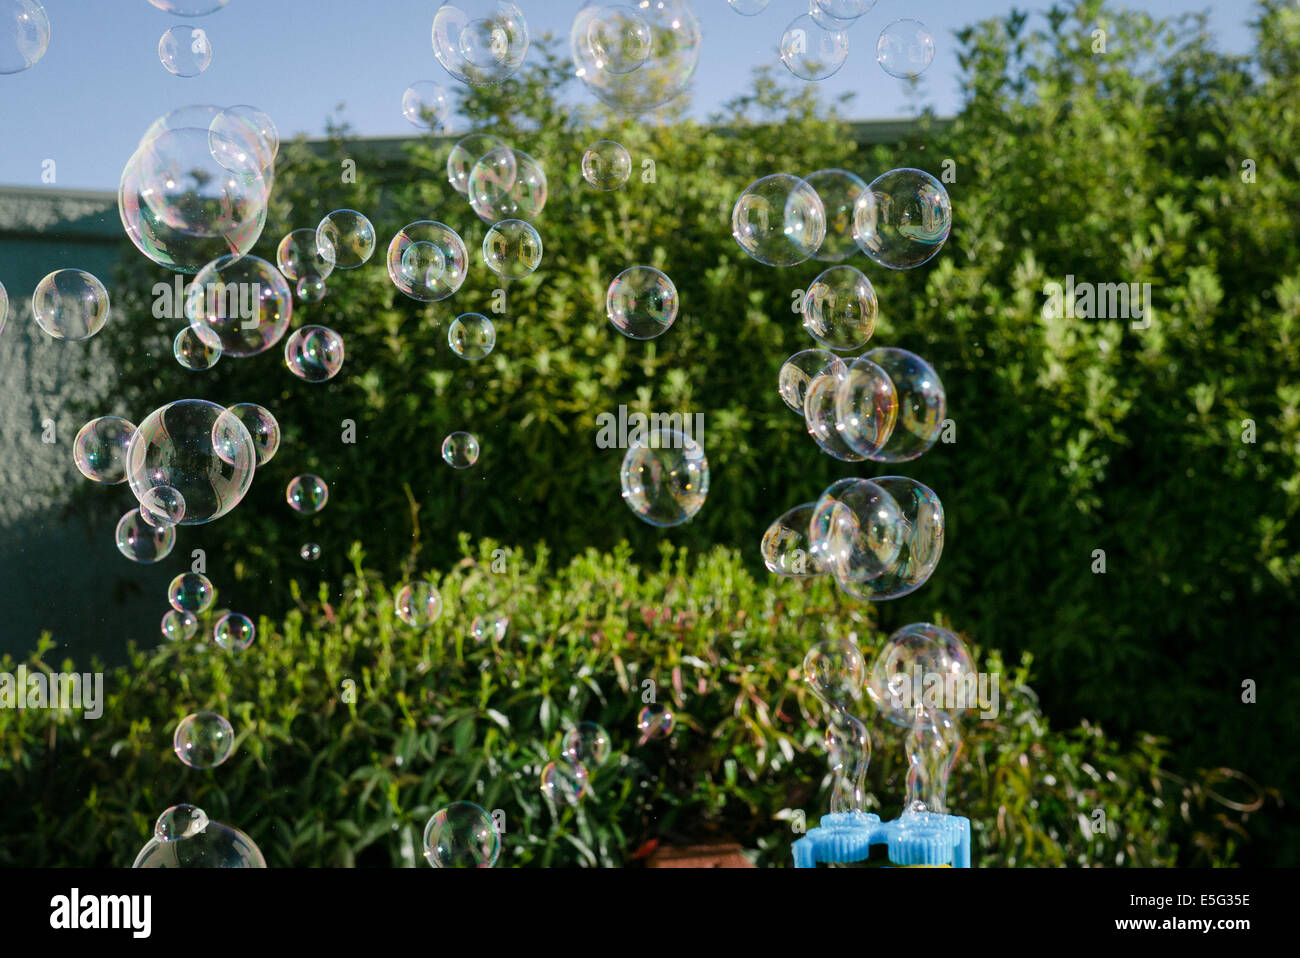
(635, 58)
(462, 835)
(665, 477)
(585, 748)
(184, 837)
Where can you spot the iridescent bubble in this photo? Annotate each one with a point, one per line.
(838, 14)
(180, 822)
(307, 494)
(606, 165)
(100, 449)
(4, 306)
(786, 549)
(141, 542)
(70, 304)
(310, 289)
(586, 744)
(418, 604)
(507, 184)
(564, 783)
(471, 336)
(306, 253)
(904, 49)
(191, 592)
(350, 235)
(665, 477)
(920, 648)
(200, 450)
(189, 8)
(193, 352)
(426, 104)
(903, 219)
(240, 303)
(635, 58)
(310, 552)
(840, 309)
(486, 627)
(779, 220)
(857, 529)
(234, 632)
(839, 191)
(655, 721)
(203, 740)
(162, 506)
(262, 426)
(749, 8)
(480, 42)
(24, 34)
(641, 302)
(798, 371)
(922, 544)
(466, 153)
(820, 416)
(812, 52)
(438, 245)
(244, 126)
(462, 835)
(512, 249)
(922, 404)
(314, 353)
(185, 51)
(460, 450)
(866, 407)
(179, 626)
(217, 846)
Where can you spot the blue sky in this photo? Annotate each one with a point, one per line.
(87, 102)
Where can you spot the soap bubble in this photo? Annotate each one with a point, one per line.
(665, 477)
(462, 835)
(314, 353)
(798, 371)
(606, 165)
(307, 494)
(857, 529)
(838, 14)
(903, 219)
(426, 105)
(586, 744)
(252, 131)
(310, 552)
(839, 309)
(349, 235)
(189, 8)
(466, 153)
(194, 352)
(185, 51)
(922, 544)
(486, 627)
(480, 42)
(785, 547)
(427, 243)
(191, 592)
(655, 721)
(835, 671)
(418, 604)
(179, 626)
(4, 306)
(922, 404)
(839, 191)
(779, 220)
(904, 49)
(217, 846)
(262, 426)
(234, 632)
(24, 34)
(820, 417)
(512, 249)
(866, 407)
(70, 304)
(749, 8)
(471, 336)
(562, 782)
(641, 302)
(180, 822)
(917, 648)
(306, 253)
(100, 449)
(240, 303)
(635, 58)
(460, 450)
(200, 450)
(203, 740)
(141, 542)
(507, 184)
(162, 506)
(310, 289)
(812, 52)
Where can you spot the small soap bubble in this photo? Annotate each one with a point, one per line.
(798, 371)
(350, 235)
(786, 549)
(203, 740)
(811, 51)
(903, 219)
(70, 304)
(512, 249)
(100, 449)
(240, 303)
(185, 51)
(466, 153)
(310, 289)
(641, 302)
(471, 336)
(486, 627)
(655, 721)
(426, 105)
(4, 306)
(840, 309)
(665, 477)
(24, 34)
(314, 353)
(507, 184)
(586, 744)
(606, 165)
(427, 261)
(261, 426)
(310, 552)
(141, 542)
(905, 48)
(234, 632)
(307, 494)
(480, 42)
(191, 592)
(779, 220)
(418, 604)
(193, 352)
(162, 506)
(179, 823)
(564, 783)
(179, 626)
(460, 450)
(462, 835)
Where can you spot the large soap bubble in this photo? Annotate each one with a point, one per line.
(824, 425)
(636, 58)
(840, 309)
(920, 649)
(215, 846)
(70, 304)
(922, 543)
(100, 449)
(462, 835)
(665, 477)
(839, 191)
(427, 261)
(922, 404)
(467, 152)
(203, 740)
(905, 48)
(866, 407)
(903, 218)
(779, 220)
(480, 42)
(507, 184)
(240, 303)
(641, 302)
(786, 549)
(798, 371)
(857, 529)
(24, 34)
